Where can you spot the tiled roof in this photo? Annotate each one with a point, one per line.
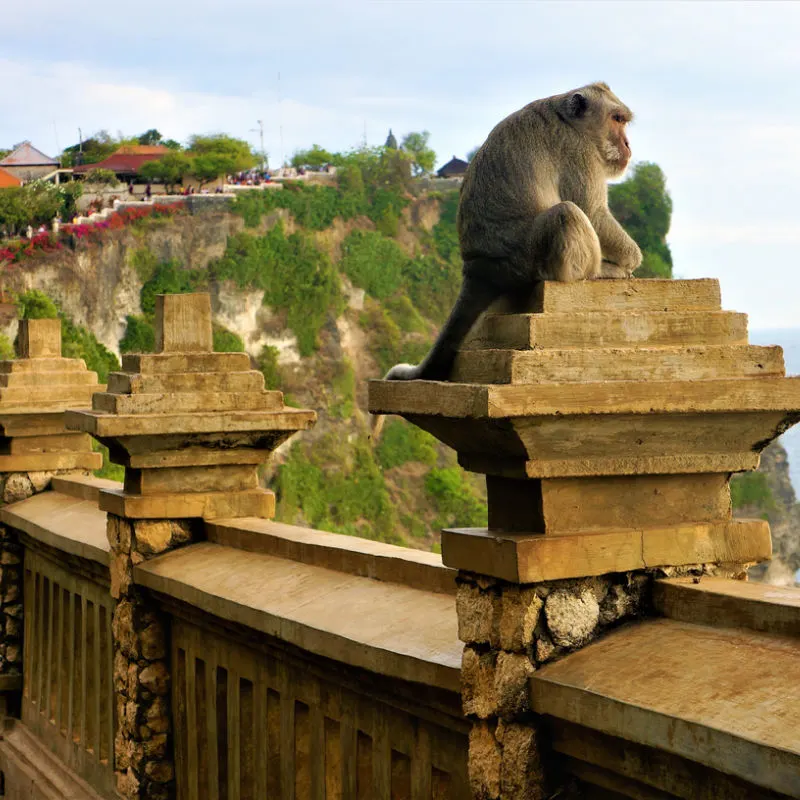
(121, 163)
(7, 180)
(455, 166)
(26, 155)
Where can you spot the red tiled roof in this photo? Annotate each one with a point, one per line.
(7, 180)
(26, 155)
(121, 163)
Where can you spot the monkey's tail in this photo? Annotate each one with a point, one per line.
(473, 299)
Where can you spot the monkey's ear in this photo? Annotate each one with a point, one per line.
(577, 104)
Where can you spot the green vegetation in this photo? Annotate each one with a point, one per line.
(225, 341)
(7, 351)
(343, 387)
(267, 363)
(423, 158)
(140, 335)
(643, 207)
(373, 263)
(101, 177)
(76, 341)
(218, 154)
(752, 489)
(336, 485)
(168, 277)
(297, 278)
(402, 442)
(455, 500)
(113, 472)
(169, 170)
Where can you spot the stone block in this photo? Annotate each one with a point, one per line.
(39, 338)
(155, 536)
(522, 771)
(520, 558)
(203, 505)
(186, 402)
(607, 329)
(168, 363)
(60, 443)
(183, 323)
(229, 478)
(699, 362)
(572, 616)
(517, 616)
(124, 383)
(17, 487)
(155, 678)
(51, 462)
(475, 614)
(478, 684)
(586, 504)
(626, 295)
(484, 764)
(511, 674)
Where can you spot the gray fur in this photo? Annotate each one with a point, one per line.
(534, 207)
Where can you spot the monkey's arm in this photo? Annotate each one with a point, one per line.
(621, 255)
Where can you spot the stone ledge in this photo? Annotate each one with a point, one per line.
(202, 505)
(531, 558)
(49, 462)
(730, 604)
(84, 487)
(690, 690)
(389, 629)
(349, 554)
(110, 425)
(68, 523)
(468, 400)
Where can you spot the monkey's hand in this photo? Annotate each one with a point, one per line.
(608, 269)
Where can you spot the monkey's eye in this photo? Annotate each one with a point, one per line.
(618, 118)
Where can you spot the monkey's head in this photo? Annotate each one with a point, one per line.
(598, 113)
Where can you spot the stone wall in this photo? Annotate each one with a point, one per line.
(143, 750)
(508, 632)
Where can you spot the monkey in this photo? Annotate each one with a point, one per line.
(534, 207)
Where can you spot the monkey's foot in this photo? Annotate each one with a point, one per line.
(402, 372)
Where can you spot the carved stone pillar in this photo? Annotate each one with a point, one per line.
(608, 421)
(190, 426)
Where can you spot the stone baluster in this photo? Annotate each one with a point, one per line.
(191, 427)
(608, 421)
(35, 390)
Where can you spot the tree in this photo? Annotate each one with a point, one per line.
(170, 170)
(422, 157)
(102, 177)
(98, 146)
(150, 137)
(642, 205)
(219, 154)
(315, 157)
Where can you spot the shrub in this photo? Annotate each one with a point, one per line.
(267, 362)
(455, 501)
(226, 341)
(140, 335)
(402, 442)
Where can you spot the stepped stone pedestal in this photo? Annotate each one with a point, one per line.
(35, 390)
(608, 420)
(190, 426)
(607, 417)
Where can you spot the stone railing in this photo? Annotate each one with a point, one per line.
(178, 643)
(164, 638)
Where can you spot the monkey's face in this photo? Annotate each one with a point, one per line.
(616, 147)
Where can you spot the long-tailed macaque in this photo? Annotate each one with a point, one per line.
(534, 207)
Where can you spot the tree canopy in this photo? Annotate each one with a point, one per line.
(169, 170)
(316, 156)
(422, 156)
(219, 154)
(642, 205)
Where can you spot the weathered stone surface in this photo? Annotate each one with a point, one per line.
(478, 684)
(157, 715)
(617, 604)
(119, 533)
(571, 616)
(17, 487)
(159, 771)
(511, 674)
(183, 323)
(484, 762)
(153, 536)
(517, 618)
(474, 609)
(121, 573)
(521, 771)
(155, 678)
(40, 480)
(123, 629)
(153, 641)
(39, 338)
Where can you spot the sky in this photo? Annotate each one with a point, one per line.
(714, 87)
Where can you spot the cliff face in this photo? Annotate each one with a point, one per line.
(403, 488)
(769, 493)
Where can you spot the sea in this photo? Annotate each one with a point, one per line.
(789, 340)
